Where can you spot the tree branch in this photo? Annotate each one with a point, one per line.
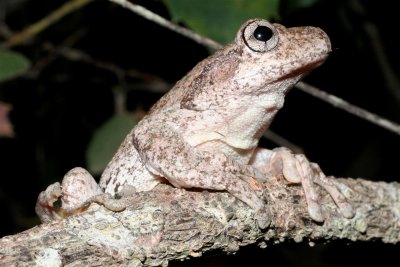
(169, 223)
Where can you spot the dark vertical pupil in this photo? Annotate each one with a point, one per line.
(263, 33)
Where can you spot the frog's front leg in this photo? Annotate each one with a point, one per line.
(166, 154)
(295, 168)
(77, 190)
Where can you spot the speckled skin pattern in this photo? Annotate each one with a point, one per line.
(204, 132)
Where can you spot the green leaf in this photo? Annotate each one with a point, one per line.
(299, 4)
(220, 19)
(12, 64)
(295, 5)
(106, 141)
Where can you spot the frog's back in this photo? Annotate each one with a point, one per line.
(193, 80)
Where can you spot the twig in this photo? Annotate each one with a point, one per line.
(78, 55)
(157, 83)
(54, 52)
(350, 108)
(390, 77)
(277, 139)
(141, 11)
(334, 100)
(45, 22)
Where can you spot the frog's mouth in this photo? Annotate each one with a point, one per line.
(305, 69)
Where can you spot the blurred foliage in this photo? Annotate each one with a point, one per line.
(12, 65)
(106, 140)
(220, 19)
(294, 5)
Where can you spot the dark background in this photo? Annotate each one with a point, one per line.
(60, 102)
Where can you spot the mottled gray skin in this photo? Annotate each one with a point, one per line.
(204, 132)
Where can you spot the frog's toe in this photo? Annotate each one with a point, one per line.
(315, 212)
(347, 210)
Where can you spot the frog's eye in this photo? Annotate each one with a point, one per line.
(260, 36)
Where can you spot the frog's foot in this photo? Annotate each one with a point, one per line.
(297, 169)
(78, 186)
(72, 196)
(45, 207)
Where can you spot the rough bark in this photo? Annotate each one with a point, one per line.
(169, 223)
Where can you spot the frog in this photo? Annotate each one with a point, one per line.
(204, 132)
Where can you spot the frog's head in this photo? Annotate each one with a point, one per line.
(275, 55)
(264, 61)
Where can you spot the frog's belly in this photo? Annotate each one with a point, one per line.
(240, 155)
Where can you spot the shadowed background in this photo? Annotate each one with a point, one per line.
(91, 75)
